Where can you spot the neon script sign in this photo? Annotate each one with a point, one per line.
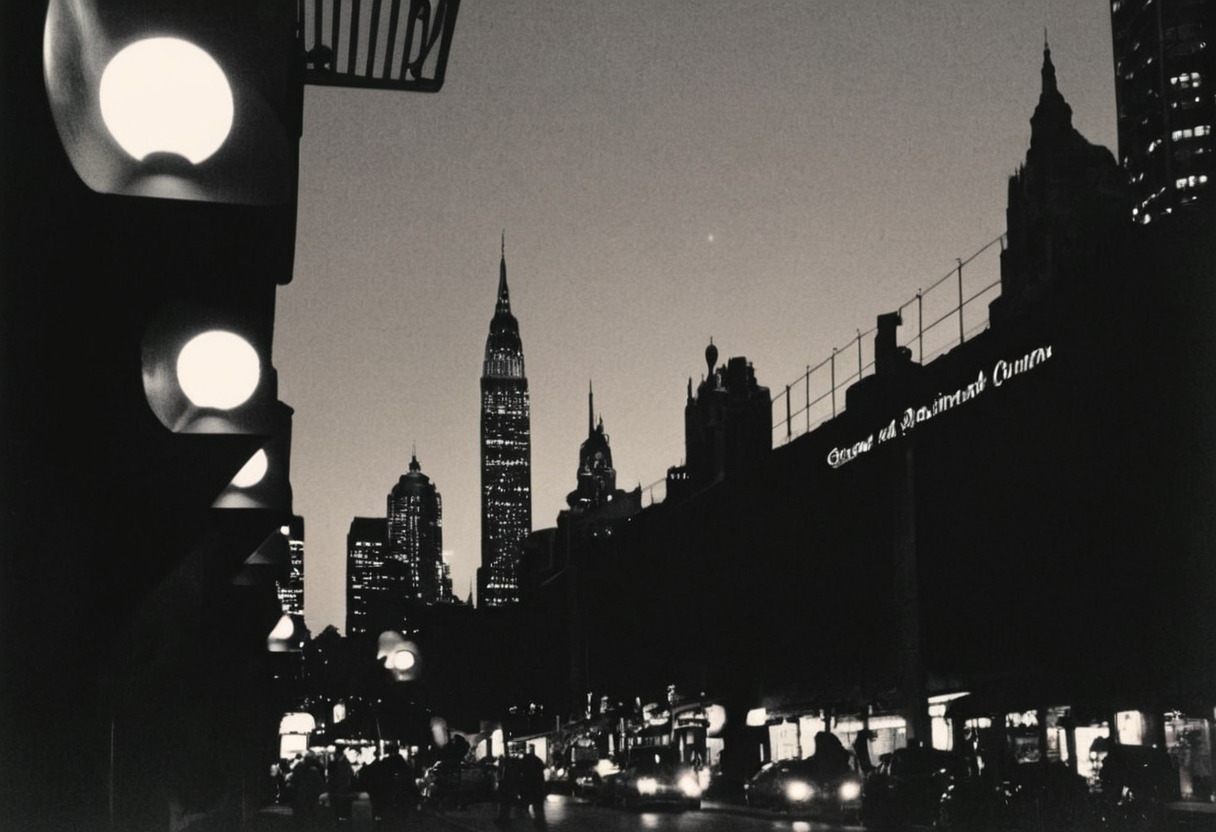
(1002, 372)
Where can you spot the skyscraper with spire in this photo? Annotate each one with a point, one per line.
(1067, 190)
(506, 454)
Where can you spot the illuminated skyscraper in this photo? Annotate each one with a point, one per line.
(367, 580)
(415, 533)
(506, 455)
(1165, 91)
(291, 591)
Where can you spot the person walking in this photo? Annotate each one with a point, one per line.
(532, 786)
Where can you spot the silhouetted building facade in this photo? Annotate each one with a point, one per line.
(1020, 526)
(1165, 91)
(291, 589)
(506, 455)
(727, 426)
(558, 564)
(415, 535)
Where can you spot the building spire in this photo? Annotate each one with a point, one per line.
(1050, 87)
(504, 295)
(1052, 116)
(590, 409)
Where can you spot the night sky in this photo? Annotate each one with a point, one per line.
(769, 174)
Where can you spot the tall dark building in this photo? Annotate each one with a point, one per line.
(1067, 190)
(727, 426)
(367, 580)
(1166, 98)
(506, 455)
(415, 534)
(291, 591)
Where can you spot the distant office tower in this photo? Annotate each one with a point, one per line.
(506, 455)
(368, 582)
(1165, 91)
(291, 591)
(728, 426)
(415, 533)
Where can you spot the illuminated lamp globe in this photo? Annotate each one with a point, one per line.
(166, 95)
(218, 369)
(252, 472)
(283, 630)
(403, 660)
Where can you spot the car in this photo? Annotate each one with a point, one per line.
(908, 785)
(652, 777)
(452, 785)
(806, 786)
(586, 777)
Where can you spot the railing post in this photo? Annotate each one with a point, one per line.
(859, 359)
(920, 325)
(961, 331)
(808, 398)
(833, 382)
(789, 428)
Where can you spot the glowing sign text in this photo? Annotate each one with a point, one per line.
(1002, 372)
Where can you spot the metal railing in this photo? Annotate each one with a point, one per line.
(952, 309)
(377, 44)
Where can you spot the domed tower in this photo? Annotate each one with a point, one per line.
(727, 426)
(415, 533)
(506, 454)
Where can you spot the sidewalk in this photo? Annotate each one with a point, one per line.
(1192, 816)
(281, 819)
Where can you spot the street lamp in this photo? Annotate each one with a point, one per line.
(194, 101)
(401, 657)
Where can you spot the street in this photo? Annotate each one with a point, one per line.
(563, 814)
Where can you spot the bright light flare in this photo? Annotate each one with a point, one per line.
(403, 660)
(283, 630)
(690, 786)
(798, 791)
(850, 790)
(218, 369)
(252, 472)
(647, 785)
(166, 95)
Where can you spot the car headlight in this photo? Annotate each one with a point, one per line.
(647, 785)
(798, 790)
(690, 786)
(850, 790)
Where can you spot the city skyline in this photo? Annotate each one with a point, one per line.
(773, 180)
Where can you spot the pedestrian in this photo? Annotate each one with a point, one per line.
(307, 783)
(532, 786)
(508, 793)
(341, 777)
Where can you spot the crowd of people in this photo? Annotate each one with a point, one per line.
(306, 782)
(321, 788)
